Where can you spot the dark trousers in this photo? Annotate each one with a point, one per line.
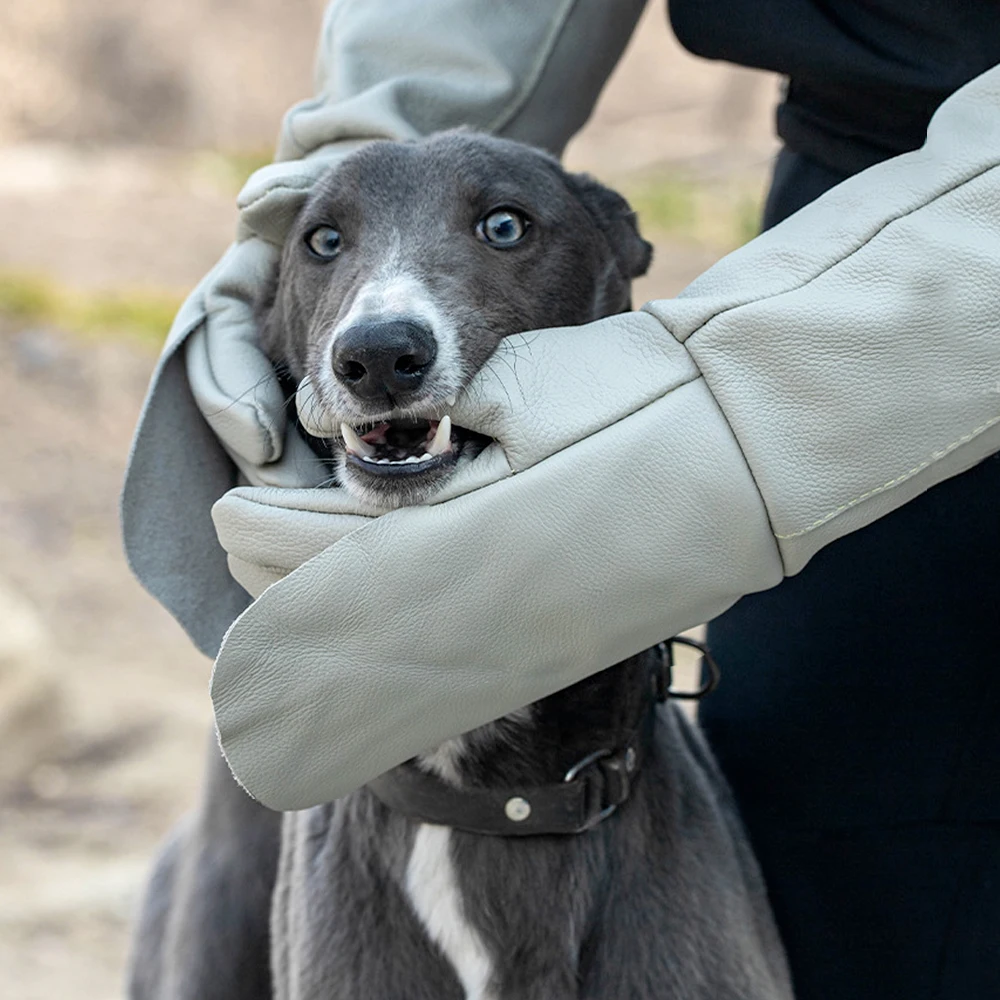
(858, 720)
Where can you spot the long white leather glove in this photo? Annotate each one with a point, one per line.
(386, 69)
(649, 470)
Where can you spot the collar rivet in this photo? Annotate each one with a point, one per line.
(517, 809)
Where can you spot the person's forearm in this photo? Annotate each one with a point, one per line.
(855, 349)
(394, 69)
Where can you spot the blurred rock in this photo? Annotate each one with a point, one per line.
(38, 351)
(221, 73)
(31, 720)
(188, 73)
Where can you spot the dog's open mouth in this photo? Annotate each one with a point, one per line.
(402, 447)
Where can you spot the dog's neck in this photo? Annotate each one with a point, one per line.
(538, 744)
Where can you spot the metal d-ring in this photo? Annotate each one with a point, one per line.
(581, 765)
(576, 770)
(714, 674)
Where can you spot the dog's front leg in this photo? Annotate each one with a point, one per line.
(203, 929)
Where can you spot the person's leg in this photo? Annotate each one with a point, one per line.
(795, 182)
(859, 722)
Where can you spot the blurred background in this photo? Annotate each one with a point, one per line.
(126, 130)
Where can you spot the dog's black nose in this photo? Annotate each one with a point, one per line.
(383, 359)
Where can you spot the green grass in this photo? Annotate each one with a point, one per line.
(721, 215)
(228, 170)
(664, 203)
(29, 298)
(32, 298)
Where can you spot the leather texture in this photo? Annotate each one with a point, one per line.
(430, 621)
(855, 348)
(649, 469)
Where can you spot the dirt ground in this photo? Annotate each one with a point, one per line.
(104, 711)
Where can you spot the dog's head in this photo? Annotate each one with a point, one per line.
(406, 267)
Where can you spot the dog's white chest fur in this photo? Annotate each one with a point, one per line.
(435, 897)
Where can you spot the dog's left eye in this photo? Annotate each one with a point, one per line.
(502, 228)
(324, 242)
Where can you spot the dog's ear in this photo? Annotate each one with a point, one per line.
(272, 323)
(615, 218)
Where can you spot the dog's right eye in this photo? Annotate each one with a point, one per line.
(324, 242)
(502, 228)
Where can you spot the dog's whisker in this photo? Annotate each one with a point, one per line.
(250, 390)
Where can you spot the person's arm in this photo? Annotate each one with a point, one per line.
(526, 69)
(649, 470)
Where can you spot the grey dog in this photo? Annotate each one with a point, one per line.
(584, 847)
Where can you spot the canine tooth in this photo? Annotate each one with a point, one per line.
(442, 439)
(451, 400)
(383, 461)
(411, 458)
(354, 442)
(368, 458)
(425, 457)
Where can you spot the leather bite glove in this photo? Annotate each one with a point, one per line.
(648, 470)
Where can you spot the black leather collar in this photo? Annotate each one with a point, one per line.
(591, 790)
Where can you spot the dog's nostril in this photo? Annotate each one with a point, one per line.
(408, 364)
(351, 371)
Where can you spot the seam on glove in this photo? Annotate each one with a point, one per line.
(256, 236)
(534, 76)
(286, 185)
(502, 118)
(935, 457)
(285, 570)
(743, 455)
(804, 283)
(282, 571)
(723, 414)
(897, 480)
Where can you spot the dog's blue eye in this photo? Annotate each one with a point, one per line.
(324, 242)
(503, 228)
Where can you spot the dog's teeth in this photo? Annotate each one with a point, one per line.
(451, 400)
(413, 458)
(383, 461)
(354, 442)
(368, 458)
(425, 457)
(442, 439)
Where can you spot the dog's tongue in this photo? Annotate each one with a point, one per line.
(377, 434)
(401, 433)
(400, 440)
